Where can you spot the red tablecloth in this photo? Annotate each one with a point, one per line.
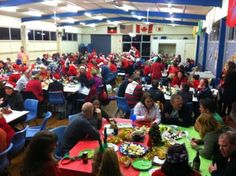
(76, 168)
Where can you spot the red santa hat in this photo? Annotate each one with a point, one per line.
(10, 84)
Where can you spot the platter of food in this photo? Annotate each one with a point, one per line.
(132, 149)
(6, 111)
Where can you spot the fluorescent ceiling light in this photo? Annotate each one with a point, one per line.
(53, 3)
(88, 14)
(138, 17)
(173, 19)
(56, 18)
(91, 25)
(113, 22)
(99, 17)
(34, 13)
(125, 7)
(69, 20)
(169, 5)
(8, 9)
(131, 34)
(72, 8)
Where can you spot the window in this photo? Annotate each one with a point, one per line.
(45, 35)
(141, 42)
(53, 36)
(4, 34)
(38, 35)
(64, 37)
(69, 36)
(15, 34)
(232, 34)
(31, 35)
(214, 35)
(75, 37)
(126, 38)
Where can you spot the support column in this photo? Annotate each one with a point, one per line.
(221, 49)
(205, 52)
(197, 50)
(24, 37)
(59, 40)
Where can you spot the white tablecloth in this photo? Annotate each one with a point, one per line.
(14, 115)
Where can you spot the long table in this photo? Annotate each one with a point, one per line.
(78, 168)
(14, 115)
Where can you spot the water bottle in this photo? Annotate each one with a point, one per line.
(196, 162)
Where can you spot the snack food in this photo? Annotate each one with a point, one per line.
(132, 149)
(6, 111)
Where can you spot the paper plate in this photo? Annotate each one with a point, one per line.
(132, 149)
(114, 146)
(142, 164)
(90, 152)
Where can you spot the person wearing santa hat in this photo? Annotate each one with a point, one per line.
(55, 85)
(13, 98)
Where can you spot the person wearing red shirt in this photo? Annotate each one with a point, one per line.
(112, 66)
(173, 70)
(3, 141)
(7, 128)
(72, 70)
(196, 81)
(179, 79)
(156, 69)
(35, 87)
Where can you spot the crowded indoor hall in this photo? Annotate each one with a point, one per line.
(117, 87)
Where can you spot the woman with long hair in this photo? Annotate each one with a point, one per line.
(38, 159)
(209, 130)
(176, 163)
(109, 164)
(147, 110)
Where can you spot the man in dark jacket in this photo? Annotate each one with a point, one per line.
(225, 166)
(156, 93)
(176, 112)
(80, 128)
(55, 85)
(204, 89)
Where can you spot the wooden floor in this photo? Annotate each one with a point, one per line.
(53, 122)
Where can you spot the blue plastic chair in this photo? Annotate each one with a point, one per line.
(59, 131)
(18, 142)
(122, 105)
(31, 131)
(4, 161)
(56, 98)
(72, 117)
(31, 105)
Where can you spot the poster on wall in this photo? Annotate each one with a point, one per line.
(231, 17)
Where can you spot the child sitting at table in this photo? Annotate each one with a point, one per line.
(176, 163)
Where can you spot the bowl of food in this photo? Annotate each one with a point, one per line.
(6, 111)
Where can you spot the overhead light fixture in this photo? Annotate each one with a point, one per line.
(72, 8)
(169, 5)
(98, 17)
(93, 25)
(8, 9)
(33, 12)
(124, 7)
(138, 17)
(88, 14)
(115, 23)
(69, 20)
(131, 34)
(53, 3)
(172, 19)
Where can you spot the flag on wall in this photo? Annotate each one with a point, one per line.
(111, 30)
(231, 17)
(159, 28)
(144, 28)
(126, 28)
(199, 30)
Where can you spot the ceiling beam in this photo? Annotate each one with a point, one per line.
(210, 3)
(117, 12)
(128, 19)
(10, 3)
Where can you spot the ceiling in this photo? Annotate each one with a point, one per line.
(107, 12)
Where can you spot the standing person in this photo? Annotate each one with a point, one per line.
(80, 128)
(225, 165)
(22, 56)
(156, 69)
(38, 159)
(109, 164)
(176, 163)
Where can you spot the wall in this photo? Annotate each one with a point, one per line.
(212, 56)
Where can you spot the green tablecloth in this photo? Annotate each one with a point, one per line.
(192, 153)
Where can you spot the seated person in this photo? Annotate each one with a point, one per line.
(134, 92)
(179, 79)
(225, 164)
(185, 93)
(13, 98)
(96, 104)
(176, 163)
(204, 90)
(209, 131)
(196, 81)
(208, 107)
(156, 93)
(55, 85)
(146, 110)
(3, 140)
(176, 112)
(38, 159)
(7, 128)
(108, 76)
(80, 129)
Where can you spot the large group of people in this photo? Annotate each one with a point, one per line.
(213, 117)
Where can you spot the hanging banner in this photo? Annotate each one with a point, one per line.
(144, 28)
(231, 17)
